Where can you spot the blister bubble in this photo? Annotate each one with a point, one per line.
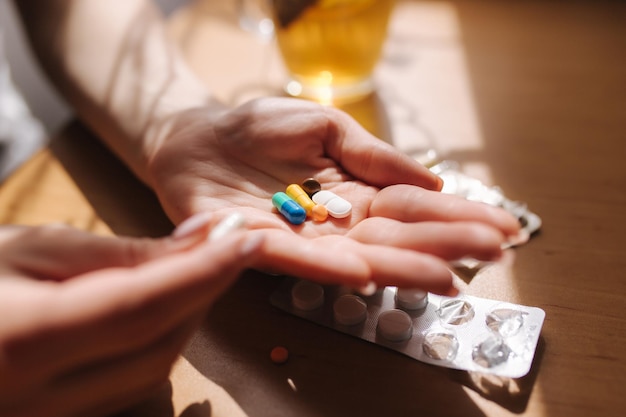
(395, 325)
(455, 312)
(491, 351)
(349, 310)
(440, 344)
(411, 299)
(505, 321)
(307, 295)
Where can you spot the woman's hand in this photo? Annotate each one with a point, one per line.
(90, 325)
(138, 94)
(401, 228)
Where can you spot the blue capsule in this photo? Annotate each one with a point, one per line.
(292, 211)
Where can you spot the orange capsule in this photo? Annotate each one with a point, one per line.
(319, 213)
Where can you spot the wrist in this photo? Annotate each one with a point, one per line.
(166, 141)
(176, 106)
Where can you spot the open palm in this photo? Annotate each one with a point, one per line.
(240, 158)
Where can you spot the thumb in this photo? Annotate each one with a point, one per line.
(374, 161)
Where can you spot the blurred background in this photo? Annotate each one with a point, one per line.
(43, 101)
(21, 134)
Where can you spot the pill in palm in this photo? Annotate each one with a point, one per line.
(311, 186)
(319, 213)
(291, 210)
(336, 206)
(299, 196)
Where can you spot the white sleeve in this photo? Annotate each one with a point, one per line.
(21, 134)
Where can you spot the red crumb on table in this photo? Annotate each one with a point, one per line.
(279, 355)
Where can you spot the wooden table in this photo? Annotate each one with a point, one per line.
(530, 96)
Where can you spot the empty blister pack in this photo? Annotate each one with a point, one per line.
(466, 332)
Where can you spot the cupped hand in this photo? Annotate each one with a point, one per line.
(402, 231)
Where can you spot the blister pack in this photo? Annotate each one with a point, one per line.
(466, 332)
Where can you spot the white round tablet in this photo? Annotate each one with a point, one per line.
(411, 299)
(307, 295)
(349, 309)
(395, 325)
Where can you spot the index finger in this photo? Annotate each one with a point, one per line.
(413, 204)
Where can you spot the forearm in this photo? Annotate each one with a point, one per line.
(114, 63)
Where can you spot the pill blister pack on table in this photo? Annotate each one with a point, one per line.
(466, 332)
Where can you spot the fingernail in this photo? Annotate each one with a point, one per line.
(192, 226)
(519, 239)
(439, 183)
(233, 222)
(251, 244)
(452, 292)
(368, 289)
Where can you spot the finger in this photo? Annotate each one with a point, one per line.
(323, 259)
(413, 204)
(373, 161)
(408, 269)
(449, 241)
(36, 251)
(340, 260)
(51, 251)
(110, 311)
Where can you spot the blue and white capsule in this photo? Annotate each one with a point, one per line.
(292, 211)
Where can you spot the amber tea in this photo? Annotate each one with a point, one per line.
(331, 47)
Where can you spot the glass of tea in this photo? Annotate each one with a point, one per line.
(330, 47)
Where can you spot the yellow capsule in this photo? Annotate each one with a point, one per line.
(297, 193)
